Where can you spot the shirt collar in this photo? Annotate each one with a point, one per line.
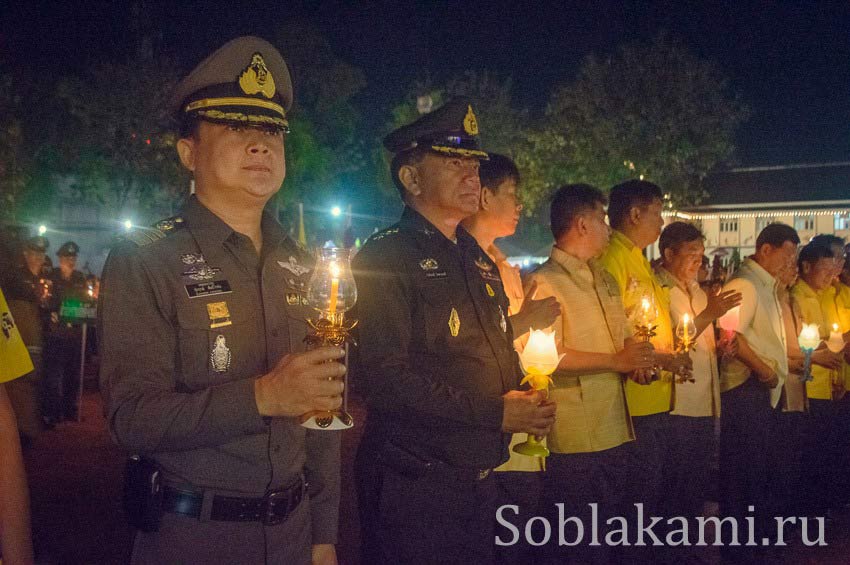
(497, 254)
(760, 274)
(416, 222)
(569, 262)
(217, 231)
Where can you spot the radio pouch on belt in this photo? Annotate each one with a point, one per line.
(143, 493)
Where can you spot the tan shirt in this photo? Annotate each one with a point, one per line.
(592, 413)
(701, 397)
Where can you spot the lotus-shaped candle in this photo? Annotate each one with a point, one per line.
(809, 340)
(539, 359)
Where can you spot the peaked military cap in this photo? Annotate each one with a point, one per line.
(451, 129)
(68, 249)
(245, 82)
(37, 243)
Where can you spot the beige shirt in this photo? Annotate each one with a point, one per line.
(761, 324)
(592, 413)
(701, 397)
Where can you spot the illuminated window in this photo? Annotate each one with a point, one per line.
(842, 221)
(727, 226)
(804, 223)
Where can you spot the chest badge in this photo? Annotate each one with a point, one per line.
(503, 323)
(192, 258)
(483, 265)
(219, 315)
(490, 292)
(201, 272)
(429, 264)
(454, 323)
(293, 267)
(220, 355)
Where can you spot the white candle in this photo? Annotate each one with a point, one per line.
(836, 340)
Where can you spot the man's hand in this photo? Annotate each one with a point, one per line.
(676, 363)
(642, 376)
(535, 314)
(324, 554)
(527, 411)
(635, 355)
(301, 383)
(720, 303)
(826, 358)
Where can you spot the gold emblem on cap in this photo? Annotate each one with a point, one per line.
(454, 323)
(470, 122)
(257, 78)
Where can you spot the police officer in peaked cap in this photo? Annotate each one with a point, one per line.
(204, 369)
(436, 363)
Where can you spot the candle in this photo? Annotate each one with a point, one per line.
(686, 338)
(836, 340)
(730, 320)
(334, 268)
(809, 337)
(645, 305)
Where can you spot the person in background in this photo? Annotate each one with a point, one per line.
(28, 292)
(498, 216)
(751, 383)
(826, 389)
(697, 406)
(60, 388)
(15, 535)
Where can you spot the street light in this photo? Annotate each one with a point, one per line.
(42, 229)
(336, 211)
(128, 225)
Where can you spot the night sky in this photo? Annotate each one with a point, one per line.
(790, 61)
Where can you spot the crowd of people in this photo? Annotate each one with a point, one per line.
(205, 373)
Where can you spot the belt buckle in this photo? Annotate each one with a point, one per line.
(271, 500)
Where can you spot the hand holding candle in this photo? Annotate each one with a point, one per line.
(539, 359)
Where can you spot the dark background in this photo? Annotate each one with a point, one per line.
(788, 60)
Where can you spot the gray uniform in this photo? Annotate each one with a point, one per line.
(189, 320)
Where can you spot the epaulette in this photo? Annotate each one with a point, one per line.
(142, 236)
(383, 233)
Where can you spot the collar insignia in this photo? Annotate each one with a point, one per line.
(293, 267)
(470, 122)
(257, 78)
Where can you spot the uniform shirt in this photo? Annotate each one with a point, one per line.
(812, 312)
(512, 283)
(188, 322)
(435, 347)
(701, 397)
(794, 397)
(14, 359)
(636, 280)
(592, 412)
(761, 323)
(23, 293)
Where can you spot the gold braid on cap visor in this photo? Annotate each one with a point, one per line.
(203, 104)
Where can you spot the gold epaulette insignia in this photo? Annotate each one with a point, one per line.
(382, 234)
(144, 236)
(257, 78)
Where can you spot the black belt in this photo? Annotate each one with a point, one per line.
(271, 509)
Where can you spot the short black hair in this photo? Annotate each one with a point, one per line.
(402, 159)
(571, 201)
(496, 171)
(814, 251)
(829, 240)
(189, 127)
(677, 233)
(776, 234)
(631, 194)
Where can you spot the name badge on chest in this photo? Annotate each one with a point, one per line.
(210, 288)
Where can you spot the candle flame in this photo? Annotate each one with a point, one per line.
(835, 327)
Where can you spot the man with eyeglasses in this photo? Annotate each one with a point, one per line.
(437, 365)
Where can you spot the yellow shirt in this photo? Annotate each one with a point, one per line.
(634, 275)
(835, 303)
(820, 386)
(592, 413)
(14, 358)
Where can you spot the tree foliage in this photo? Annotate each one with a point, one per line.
(655, 110)
(13, 165)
